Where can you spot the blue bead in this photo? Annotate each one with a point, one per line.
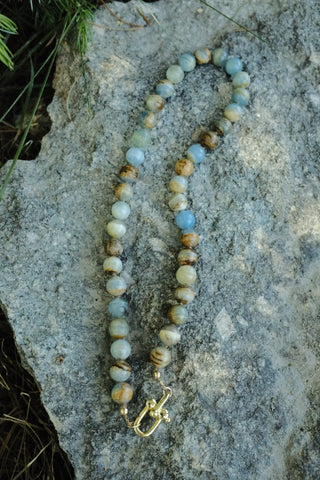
(233, 65)
(187, 62)
(185, 220)
(240, 96)
(224, 125)
(240, 79)
(233, 112)
(141, 138)
(219, 57)
(165, 89)
(196, 153)
(118, 307)
(120, 349)
(135, 156)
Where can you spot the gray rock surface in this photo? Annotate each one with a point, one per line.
(246, 373)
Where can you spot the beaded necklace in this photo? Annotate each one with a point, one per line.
(186, 275)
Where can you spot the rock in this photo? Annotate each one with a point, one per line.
(246, 394)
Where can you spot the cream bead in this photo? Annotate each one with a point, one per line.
(116, 228)
(120, 210)
(187, 257)
(178, 184)
(178, 202)
(124, 191)
(122, 393)
(160, 357)
(112, 265)
(118, 328)
(116, 286)
(184, 295)
(170, 335)
(178, 314)
(186, 275)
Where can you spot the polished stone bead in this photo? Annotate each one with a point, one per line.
(178, 314)
(187, 62)
(120, 210)
(186, 275)
(178, 184)
(155, 103)
(116, 228)
(118, 307)
(129, 173)
(233, 112)
(124, 191)
(187, 257)
(120, 371)
(202, 55)
(114, 247)
(122, 393)
(184, 167)
(147, 120)
(233, 65)
(209, 140)
(241, 96)
(189, 239)
(196, 153)
(178, 202)
(120, 349)
(184, 295)
(175, 74)
(240, 79)
(165, 88)
(219, 57)
(112, 265)
(185, 220)
(223, 126)
(160, 357)
(135, 156)
(170, 335)
(116, 286)
(118, 328)
(141, 138)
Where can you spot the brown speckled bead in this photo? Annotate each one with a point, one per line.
(160, 357)
(203, 55)
(114, 247)
(190, 240)
(122, 393)
(129, 173)
(155, 103)
(184, 295)
(184, 167)
(187, 257)
(209, 140)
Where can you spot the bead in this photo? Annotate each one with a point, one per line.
(120, 371)
(116, 228)
(203, 55)
(219, 57)
(178, 184)
(241, 79)
(178, 202)
(223, 126)
(124, 191)
(189, 239)
(141, 138)
(196, 153)
(209, 140)
(233, 112)
(122, 393)
(114, 247)
(233, 65)
(116, 286)
(184, 167)
(184, 294)
(120, 210)
(112, 265)
(165, 89)
(118, 328)
(155, 103)
(187, 257)
(160, 357)
(185, 220)
(187, 62)
(175, 74)
(135, 156)
(186, 275)
(120, 349)
(129, 173)
(178, 314)
(147, 120)
(118, 307)
(170, 335)
(240, 96)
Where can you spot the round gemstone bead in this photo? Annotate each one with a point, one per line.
(118, 328)
(223, 126)
(165, 88)
(120, 349)
(209, 140)
(178, 314)
(187, 257)
(124, 191)
(116, 286)
(118, 307)
(233, 112)
(116, 228)
(175, 74)
(178, 202)
(233, 65)
(196, 153)
(189, 239)
(120, 371)
(120, 210)
(241, 79)
(203, 55)
(170, 335)
(184, 167)
(160, 357)
(122, 393)
(147, 120)
(129, 173)
(135, 156)
(114, 247)
(219, 57)
(187, 62)
(178, 184)
(186, 275)
(141, 138)
(185, 220)
(184, 294)
(155, 103)
(112, 265)
(240, 96)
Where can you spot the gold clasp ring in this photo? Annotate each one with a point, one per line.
(156, 411)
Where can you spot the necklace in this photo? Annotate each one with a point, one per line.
(186, 274)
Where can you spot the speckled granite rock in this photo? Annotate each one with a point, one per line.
(245, 375)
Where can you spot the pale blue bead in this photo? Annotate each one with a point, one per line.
(178, 184)
(116, 286)
(240, 96)
(118, 328)
(224, 125)
(219, 57)
(185, 220)
(233, 112)
(240, 79)
(165, 89)
(118, 307)
(196, 153)
(120, 349)
(120, 210)
(141, 138)
(135, 156)
(118, 374)
(187, 62)
(233, 65)
(175, 74)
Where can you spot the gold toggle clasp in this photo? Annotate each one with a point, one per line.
(156, 411)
